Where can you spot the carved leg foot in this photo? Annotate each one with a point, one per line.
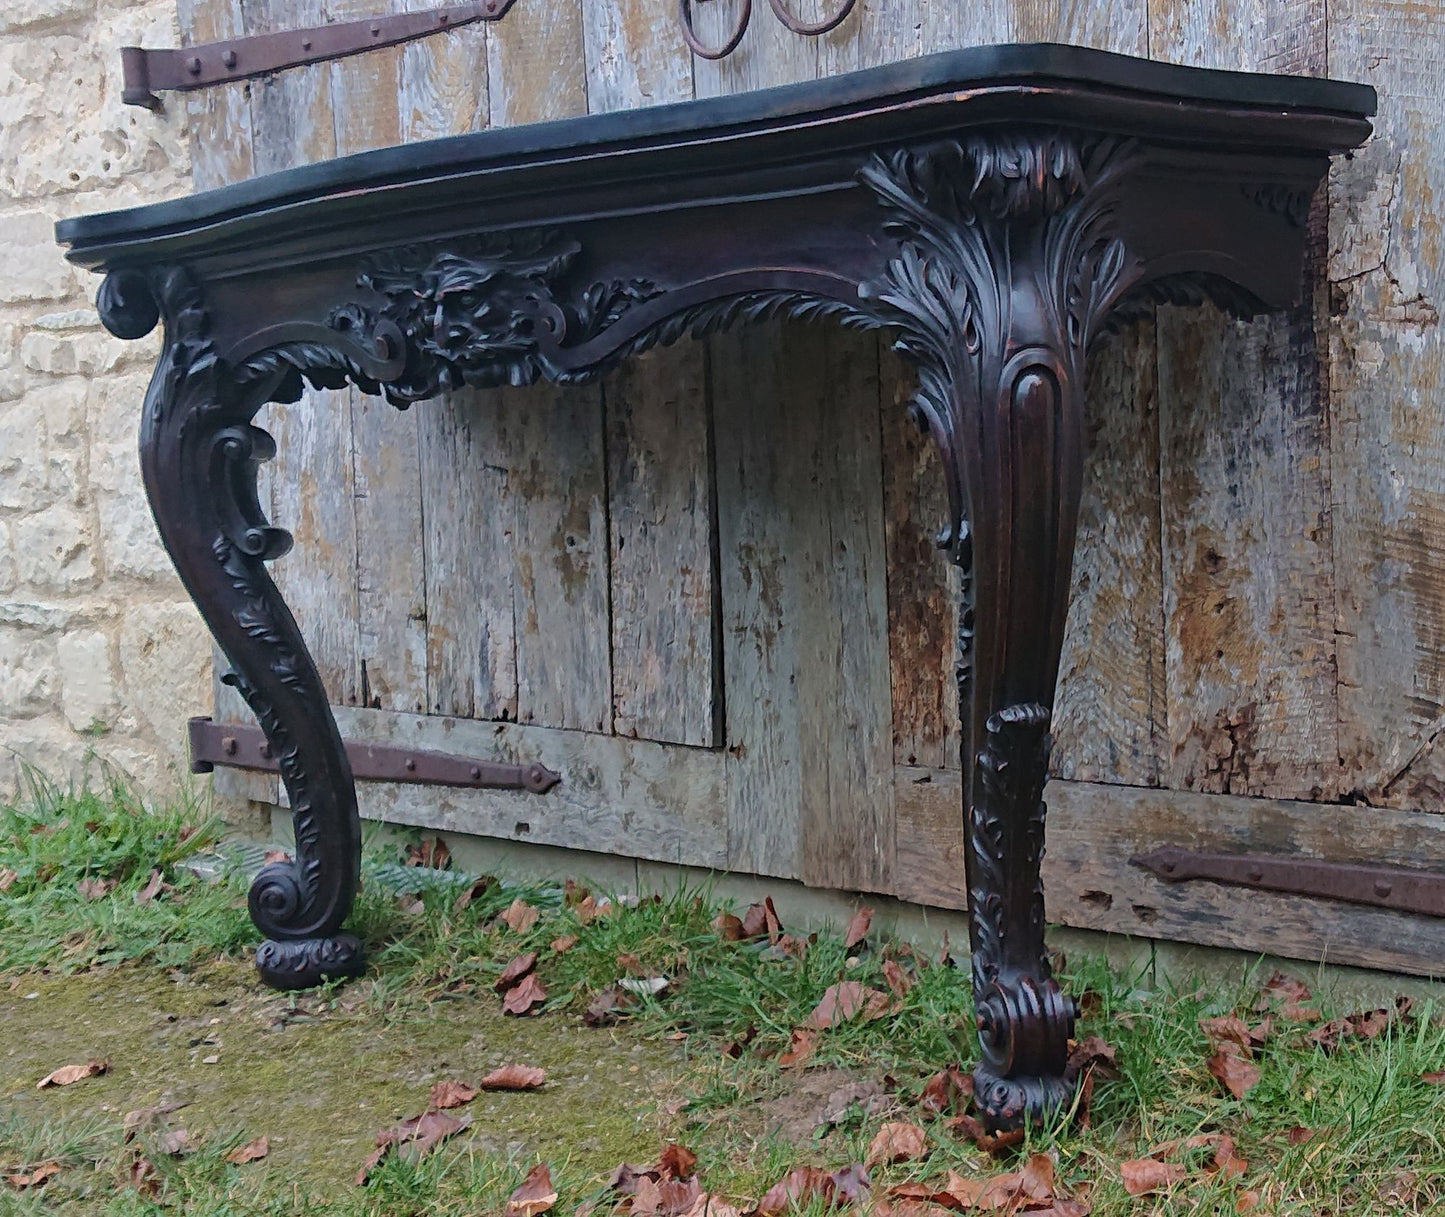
(1007, 264)
(199, 455)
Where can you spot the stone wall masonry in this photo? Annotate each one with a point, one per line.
(102, 656)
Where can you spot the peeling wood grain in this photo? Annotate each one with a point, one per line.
(663, 580)
(536, 68)
(219, 119)
(1387, 266)
(635, 56)
(630, 797)
(1095, 829)
(1249, 590)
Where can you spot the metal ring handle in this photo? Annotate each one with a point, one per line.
(689, 35)
(812, 31)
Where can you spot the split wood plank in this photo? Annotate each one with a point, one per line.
(633, 798)
(368, 98)
(1248, 547)
(312, 485)
(1387, 272)
(663, 578)
(1089, 882)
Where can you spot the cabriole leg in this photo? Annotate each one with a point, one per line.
(199, 455)
(1007, 263)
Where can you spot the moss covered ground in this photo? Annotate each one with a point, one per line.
(111, 949)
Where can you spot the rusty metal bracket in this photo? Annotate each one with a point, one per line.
(148, 71)
(241, 747)
(1388, 887)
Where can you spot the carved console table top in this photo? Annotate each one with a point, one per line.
(993, 208)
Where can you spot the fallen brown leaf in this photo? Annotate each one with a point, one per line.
(849, 999)
(858, 928)
(801, 1047)
(451, 1094)
(947, 1092)
(519, 967)
(898, 980)
(535, 1195)
(133, 1122)
(609, 1006)
(728, 927)
(1247, 1202)
(897, 1141)
(478, 888)
(806, 1183)
(970, 1129)
(142, 1176)
(7, 878)
(1232, 1071)
(1229, 1029)
(676, 1162)
(707, 1205)
(415, 1138)
(152, 888)
(519, 916)
(1292, 994)
(1436, 1077)
(178, 1142)
(760, 919)
(68, 1075)
(95, 889)
(525, 996)
(514, 1077)
(573, 893)
(1299, 1135)
(21, 1180)
(1145, 1176)
(252, 1151)
(432, 852)
(1367, 1025)
(564, 944)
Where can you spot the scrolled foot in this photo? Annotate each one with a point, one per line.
(1007, 1103)
(307, 962)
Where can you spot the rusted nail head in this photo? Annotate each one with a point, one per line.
(410, 764)
(1383, 887)
(305, 44)
(229, 59)
(266, 750)
(476, 773)
(1255, 874)
(228, 745)
(193, 65)
(375, 30)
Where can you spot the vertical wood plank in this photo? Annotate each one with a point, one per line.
(1387, 267)
(663, 580)
(659, 473)
(1249, 590)
(536, 67)
(292, 123)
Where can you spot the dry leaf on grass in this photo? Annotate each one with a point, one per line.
(762, 919)
(728, 928)
(519, 916)
(152, 888)
(897, 1141)
(802, 1045)
(432, 852)
(1291, 994)
(849, 999)
(445, 1095)
(94, 889)
(1224, 1157)
(807, 1183)
(1145, 1176)
(478, 887)
(969, 1128)
(177, 1143)
(252, 1151)
(523, 998)
(611, 1005)
(643, 986)
(133, 1122)
(858, 928)
(1366, 1025)
(535, 1195)
(898, 980)
(519, 967)
(947, 1092)
(415, 1138)
(21, 1180)
(1436, 1077)
(68, 1075)
(142, 1176)
(514, 1077)
(564, 944)
(1232, 1071)
(7, 878)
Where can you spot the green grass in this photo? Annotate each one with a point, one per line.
(746, 1117)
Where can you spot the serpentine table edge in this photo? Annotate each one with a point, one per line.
(995, 208)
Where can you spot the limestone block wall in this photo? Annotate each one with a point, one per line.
(102, 657)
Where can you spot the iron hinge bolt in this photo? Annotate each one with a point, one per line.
(228, 745)
(229, 59)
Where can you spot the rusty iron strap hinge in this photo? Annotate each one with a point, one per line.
(242, 747)
(1388, 887)
(148, 71)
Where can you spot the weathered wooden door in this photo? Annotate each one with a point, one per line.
(705, 589)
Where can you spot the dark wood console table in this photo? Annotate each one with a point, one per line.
(994, 208)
